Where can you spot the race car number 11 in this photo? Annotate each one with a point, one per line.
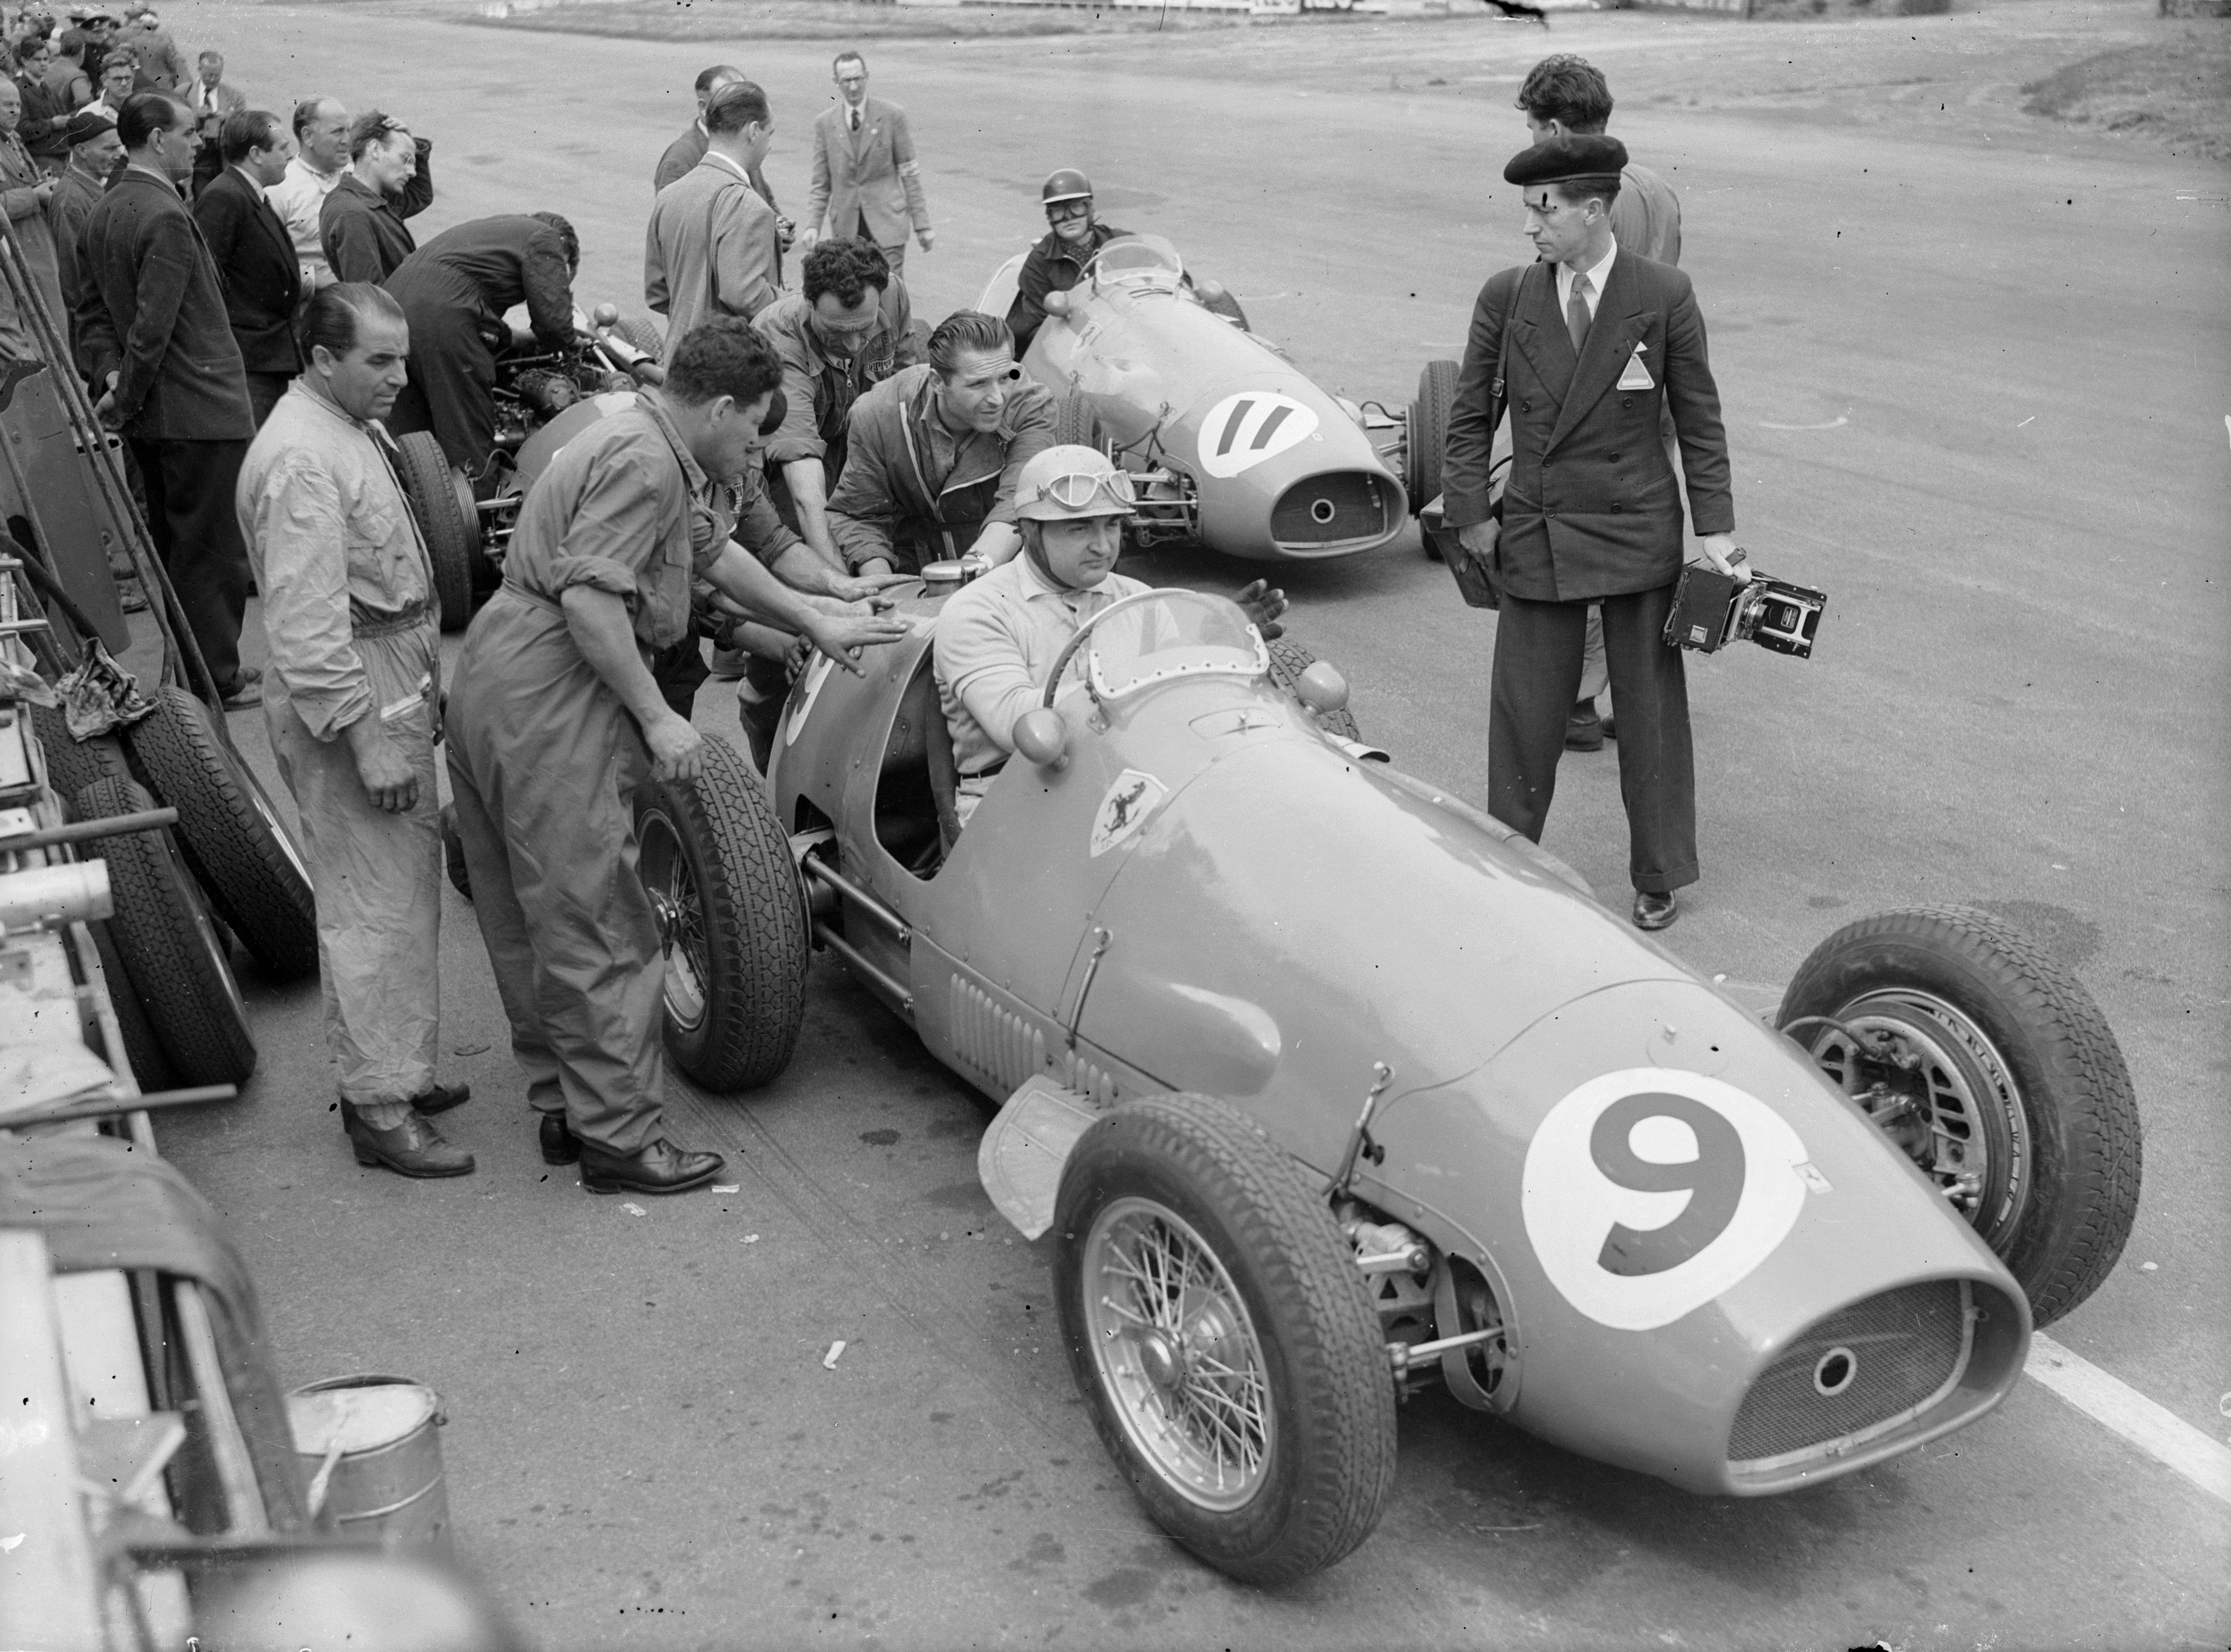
(1648, 1192)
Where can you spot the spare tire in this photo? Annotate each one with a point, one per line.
(717, 866)
(168, 946)
(143, 1050)
(72, 765)
(1429, 433)
(2012, 1098)
(1288, 659)
(232, 835)
(453, 540)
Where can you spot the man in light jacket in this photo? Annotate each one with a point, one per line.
(867, 182)
(713, 247)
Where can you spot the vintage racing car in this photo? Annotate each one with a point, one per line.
(1229, 444)
(1329, 1086)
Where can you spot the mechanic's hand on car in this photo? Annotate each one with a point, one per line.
(842, 638)
(1262, 602)
(677, 749)
(866, 588)
(1720, 550)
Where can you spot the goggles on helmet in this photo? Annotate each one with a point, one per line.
(1078, 489)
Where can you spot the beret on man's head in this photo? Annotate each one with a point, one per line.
(1573, 155)
(85, 126)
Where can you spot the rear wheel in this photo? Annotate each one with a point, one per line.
(1429, 433)
(452, 534)
(1288, 659)
(168, 946)
(1219, 1328)
(1984, 1059)
(718, 869)
(231, 833)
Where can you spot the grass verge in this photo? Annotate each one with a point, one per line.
(2176, 91)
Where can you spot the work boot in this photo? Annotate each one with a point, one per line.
(1584, 730)
(411, 1148)
(560, 1145)
(657, 1167)
(441, 1098)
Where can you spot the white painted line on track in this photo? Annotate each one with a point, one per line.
(2153, 1428)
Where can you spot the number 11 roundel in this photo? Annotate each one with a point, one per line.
(1648, 1192)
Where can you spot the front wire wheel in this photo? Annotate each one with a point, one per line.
(1177, 1352)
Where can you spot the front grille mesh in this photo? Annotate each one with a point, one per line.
(1332, 509)
(1905, 1344)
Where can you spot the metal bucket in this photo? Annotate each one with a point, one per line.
(369, 1446)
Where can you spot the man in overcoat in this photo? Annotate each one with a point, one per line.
(867, 182)
(1585, 348)
(254, 256)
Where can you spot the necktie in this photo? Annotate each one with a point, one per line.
(856, 121)
(1576, 312)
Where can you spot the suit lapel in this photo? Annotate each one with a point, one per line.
(1619, 323)
(1539, 332)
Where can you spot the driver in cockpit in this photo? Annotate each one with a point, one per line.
(1057, 262)
(999, 637)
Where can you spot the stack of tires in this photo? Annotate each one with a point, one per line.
(227, 873)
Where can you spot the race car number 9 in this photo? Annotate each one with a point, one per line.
(1648, 1192)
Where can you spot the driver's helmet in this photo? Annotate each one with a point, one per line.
(1067, 185)
(1062, 484)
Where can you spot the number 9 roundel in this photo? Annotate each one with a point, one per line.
(1648, 1192)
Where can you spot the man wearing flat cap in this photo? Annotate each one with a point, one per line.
(1586, 349)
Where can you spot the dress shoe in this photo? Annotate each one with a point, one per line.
(412, 1148)
(1584, 730)
(442, 1098)
(1655, 911)
(659, 1167)
(560, 1145)
(1610, 727)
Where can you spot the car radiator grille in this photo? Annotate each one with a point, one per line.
(1337, 508)
(1856, 1372)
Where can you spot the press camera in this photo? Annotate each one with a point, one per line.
(1711, 610)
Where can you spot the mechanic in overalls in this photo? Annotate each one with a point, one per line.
(352, 699)
(998, 636)
(555, 719)
(934, 452)
(1057, 262)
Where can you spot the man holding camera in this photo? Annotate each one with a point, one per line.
(1584, 349)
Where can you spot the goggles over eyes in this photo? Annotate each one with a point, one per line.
(1080, 487)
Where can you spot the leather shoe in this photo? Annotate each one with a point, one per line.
(412, 1148)
(1610, 727)
(442, 1098)
(1584, 730)
(657, 1167)
(1656, 910)
(560, 1145)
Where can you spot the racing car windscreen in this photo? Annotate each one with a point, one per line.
(1156, 637)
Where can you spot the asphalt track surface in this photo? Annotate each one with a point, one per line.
(1974, 368)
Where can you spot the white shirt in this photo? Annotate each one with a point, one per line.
(296, 198)
(262, 193)
(1597, 277)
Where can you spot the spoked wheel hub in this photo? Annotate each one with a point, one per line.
(1176, 1353)
(675, 904)
(1934, 1083)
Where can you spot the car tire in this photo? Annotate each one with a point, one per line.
(1429, 433)
(2026, 1090)
(143, 1050)
(1288, 659)
(453, 852)
(452, 538)
(161, 933)
(1075, 423)
(642, 332)
(718, 867)
(1266, 1279)
(233, 837)
(72, 765)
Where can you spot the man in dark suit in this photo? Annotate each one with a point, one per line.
(360, 224)
(867, 183)
(254, 254)
(213, 103)
(153, 336)
(1586, 349)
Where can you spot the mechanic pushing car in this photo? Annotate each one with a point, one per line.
(933, 452)
(998, 636)
(555, 719)
(1057, 262)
